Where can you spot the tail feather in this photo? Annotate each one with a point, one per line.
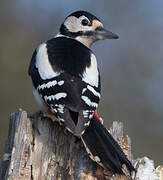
(116, 150)
(107, 155)
(104, 149)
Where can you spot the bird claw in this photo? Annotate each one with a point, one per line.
(35, 116)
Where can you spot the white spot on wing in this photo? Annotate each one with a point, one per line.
(50, 84)
(54, 110)
(89, 102)
(60, 108)
(42, 63)
(62, 120)
(47, 85)
(94, 91)
(85, 113)
(90, 116)
(56, 96)
(91, 73)
(60, 83)
(87, 124)
(83, 91)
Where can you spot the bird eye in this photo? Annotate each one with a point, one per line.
(85, 22)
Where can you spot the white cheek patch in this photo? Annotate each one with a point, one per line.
(42, 63)
(73, 24)
(91, 74)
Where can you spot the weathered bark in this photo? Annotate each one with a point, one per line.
(55, 154)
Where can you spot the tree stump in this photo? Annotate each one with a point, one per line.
(55, 154)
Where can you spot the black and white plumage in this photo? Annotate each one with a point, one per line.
(66, 81)
(65, 75)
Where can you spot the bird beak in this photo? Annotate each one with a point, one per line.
(101, 34)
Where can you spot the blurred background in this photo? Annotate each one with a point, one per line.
(131, 67)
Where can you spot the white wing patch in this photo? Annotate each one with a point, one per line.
(57, 96)
(91, 74)
(42, 63)
(89, 102)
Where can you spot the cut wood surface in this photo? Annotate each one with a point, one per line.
(55, 154)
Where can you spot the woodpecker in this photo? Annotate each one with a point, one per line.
(66, 84)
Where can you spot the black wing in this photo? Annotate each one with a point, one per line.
(68, 81)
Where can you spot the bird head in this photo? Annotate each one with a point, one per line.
(85, 28)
